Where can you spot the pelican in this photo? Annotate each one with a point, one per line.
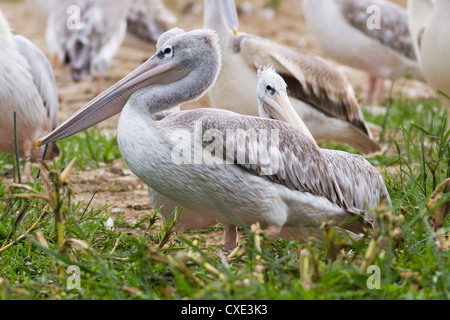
(148, 19)
(430, 27)
(29, 88)
(348, 32)
(320, 94)
(361, 184)
(86, 34)
(295, 189)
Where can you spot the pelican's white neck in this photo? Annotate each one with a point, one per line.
(214, 18)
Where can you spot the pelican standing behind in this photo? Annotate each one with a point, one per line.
(341, 29)
(430, 26)
(29, 88)
(148, 19)
(303, 192)
(320, 94)
(361, 184)
(86, 34)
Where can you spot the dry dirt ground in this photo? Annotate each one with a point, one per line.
(115, 184)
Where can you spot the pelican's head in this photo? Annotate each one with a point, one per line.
(184, 67)
(273, 100)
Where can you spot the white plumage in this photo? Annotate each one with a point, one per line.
(430, 26)
(28, 87)
(319, 93)
(343, 30)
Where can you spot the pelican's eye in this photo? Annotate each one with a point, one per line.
(168, 52)
(269, 88)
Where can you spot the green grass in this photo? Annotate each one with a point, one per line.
(93, 149)
(155, 265)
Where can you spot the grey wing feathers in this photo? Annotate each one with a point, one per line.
(358, 179)
(43, 76)
(299, 164)
(393, 32)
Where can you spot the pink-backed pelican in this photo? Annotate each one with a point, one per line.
(29, 88)
(371, 35)
(296, 189)
(320, 94)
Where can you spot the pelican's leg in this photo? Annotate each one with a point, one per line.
(230, 237)
(272, 232)
(379, 92)
(54, 60)
(376, 89)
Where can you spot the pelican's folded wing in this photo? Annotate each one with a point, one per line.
(43, 76)
(275, 150)
(359, 181)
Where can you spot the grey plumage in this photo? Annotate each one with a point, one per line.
(393, 32)
(29, 88)
(88, 47)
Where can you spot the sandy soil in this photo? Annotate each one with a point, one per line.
(116, 185)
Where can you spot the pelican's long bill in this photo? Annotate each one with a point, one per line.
(231, 15)
(280, 108)
(112, 101)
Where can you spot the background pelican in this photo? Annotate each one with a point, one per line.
(302, 192)
(340, 28)
(88, 48)
(321, 95)
(430, 26)
(86, 34)
(148, 19)
(27, 87)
